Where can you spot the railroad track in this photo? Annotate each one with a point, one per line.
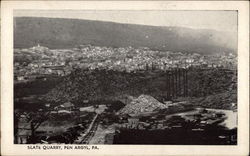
(88, 137)
(91, 130)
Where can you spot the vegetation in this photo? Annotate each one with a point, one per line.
(207, 82)
(36, 87)
(113, 85)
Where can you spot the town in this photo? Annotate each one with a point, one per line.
(39, 62)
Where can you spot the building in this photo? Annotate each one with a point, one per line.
(67, 108)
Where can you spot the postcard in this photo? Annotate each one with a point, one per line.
(125, 78)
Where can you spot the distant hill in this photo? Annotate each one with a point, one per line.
(67, 33)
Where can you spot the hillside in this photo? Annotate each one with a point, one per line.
(101, 85)
(68, 33)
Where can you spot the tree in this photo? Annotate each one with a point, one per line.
(16, 122)
(36, 119)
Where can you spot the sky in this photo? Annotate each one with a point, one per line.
(217, 20)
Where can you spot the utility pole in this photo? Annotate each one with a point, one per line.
(184, 81)
(173, 77)
(167, 79)
(179, 82)
(176, 82)
(170, 85)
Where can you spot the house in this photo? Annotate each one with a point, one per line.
(66, 108)
(20, 78)
(87, 109)
(197, 116)
(64, 112)
(133, 122)
(23, 135)
(203, 110)
(23, 130)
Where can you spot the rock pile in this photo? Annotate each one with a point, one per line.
(144, 103)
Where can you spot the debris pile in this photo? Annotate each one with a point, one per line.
(144, 103)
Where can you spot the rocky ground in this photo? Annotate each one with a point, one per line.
(144, 103)
(101, 132)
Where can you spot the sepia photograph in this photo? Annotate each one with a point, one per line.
(125, 77)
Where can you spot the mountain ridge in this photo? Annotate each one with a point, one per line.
(68, 33)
